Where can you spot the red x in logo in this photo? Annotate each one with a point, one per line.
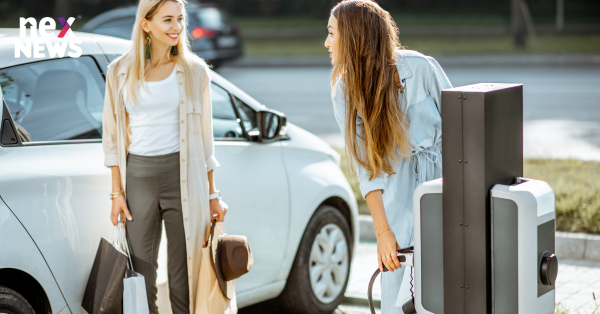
(66, 25)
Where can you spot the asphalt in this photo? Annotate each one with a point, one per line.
(561, 120)
(561, 102)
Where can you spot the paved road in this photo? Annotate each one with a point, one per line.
(561, 103)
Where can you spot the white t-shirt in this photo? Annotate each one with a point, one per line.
(154, 120)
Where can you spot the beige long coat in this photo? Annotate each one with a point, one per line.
(196, 153)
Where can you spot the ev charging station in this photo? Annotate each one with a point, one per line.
(484, 235)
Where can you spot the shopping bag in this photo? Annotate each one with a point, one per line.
(104, 289)
(135, 299)
(210, 298)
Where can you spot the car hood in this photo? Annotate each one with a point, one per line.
(304, 140)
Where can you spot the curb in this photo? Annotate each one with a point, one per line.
(580, 246)
(359, 301)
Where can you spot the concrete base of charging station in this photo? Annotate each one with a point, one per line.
(568, 245)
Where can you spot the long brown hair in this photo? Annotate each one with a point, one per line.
(367, 44)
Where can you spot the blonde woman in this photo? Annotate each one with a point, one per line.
(386, 101)
(158, 141)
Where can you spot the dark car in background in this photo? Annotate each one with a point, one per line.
(214, 36)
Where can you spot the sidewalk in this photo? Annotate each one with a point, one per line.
(576, 281)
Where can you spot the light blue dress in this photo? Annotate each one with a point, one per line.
(423, 80)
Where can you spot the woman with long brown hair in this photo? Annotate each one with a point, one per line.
(386, 101)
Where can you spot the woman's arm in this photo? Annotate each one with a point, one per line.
(207, 127)
(372, 191)
(119, 204)
(217, 207)
(436, 82)
(109, 146)
(386, 239)
(109, 124)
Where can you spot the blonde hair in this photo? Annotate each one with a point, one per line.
(135, 59)
(367, 45)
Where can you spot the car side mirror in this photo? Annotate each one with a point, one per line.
(272, 126)
(254, 134)
(9, 135)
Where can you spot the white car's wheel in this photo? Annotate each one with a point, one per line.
(319, 276)
(328, 264)
(11, 302)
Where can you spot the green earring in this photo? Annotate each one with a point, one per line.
(148, 45)
(174, 50)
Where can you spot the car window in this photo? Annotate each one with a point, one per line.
(210, 18)
(121, 27)
(225, 121)
(54, 100)
(248, 116)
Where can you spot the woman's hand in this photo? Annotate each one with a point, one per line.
(386, 251)
(119, 206)
(386, 240)
(218, 209)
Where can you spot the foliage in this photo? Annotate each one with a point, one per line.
(574, 182)
(577, 191)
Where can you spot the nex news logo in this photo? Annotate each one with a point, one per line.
(37, 44)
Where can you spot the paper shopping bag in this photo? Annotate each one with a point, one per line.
(210, 298)
(104, 289)
(135, 299)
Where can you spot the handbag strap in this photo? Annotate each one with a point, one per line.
(212, 232)
(122, 235)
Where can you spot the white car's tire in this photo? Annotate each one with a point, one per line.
(11, 302)
(320, 272)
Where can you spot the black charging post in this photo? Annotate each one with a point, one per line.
(482, 145)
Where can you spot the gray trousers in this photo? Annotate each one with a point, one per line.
(154, 195)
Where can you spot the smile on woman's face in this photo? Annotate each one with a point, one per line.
(333, 40)
(166, 25)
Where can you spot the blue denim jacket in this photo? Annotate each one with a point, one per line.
(423, 81)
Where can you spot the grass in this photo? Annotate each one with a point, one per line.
(433, 45)
(575, 184)
(561, 309)
(577, 191)
(277, 22)
(430, 44)
(401, 19)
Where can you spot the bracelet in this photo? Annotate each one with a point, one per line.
(216, 195)
(116, 194)
(383, 231)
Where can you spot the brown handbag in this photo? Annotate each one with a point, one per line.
(231, 257)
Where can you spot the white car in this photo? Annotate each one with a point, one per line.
(284, 186)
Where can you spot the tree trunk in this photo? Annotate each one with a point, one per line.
(560, 14)
(517, 26)
(528, 23)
